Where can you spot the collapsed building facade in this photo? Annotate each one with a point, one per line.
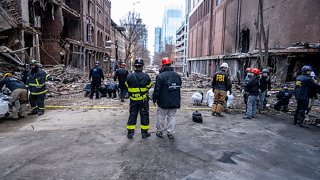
(117, 45)
(231, 31)
(69, 32)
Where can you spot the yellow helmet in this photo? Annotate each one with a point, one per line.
(7, 74)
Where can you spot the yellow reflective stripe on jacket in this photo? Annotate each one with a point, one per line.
(136, 90)
(126, 84)
(138, 98)
(37, 82)
(36, 85)
(131, 127)
(149, 85)
(38, 93)
(144, 127)
(47, 76)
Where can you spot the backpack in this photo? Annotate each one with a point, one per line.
(197, 117)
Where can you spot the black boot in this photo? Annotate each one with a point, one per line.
(130, 134)
(40, 113)
(33, 112)
(145, 134)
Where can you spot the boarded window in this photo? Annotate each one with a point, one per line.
(244, 40)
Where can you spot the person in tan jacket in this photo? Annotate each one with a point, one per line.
(220, 85)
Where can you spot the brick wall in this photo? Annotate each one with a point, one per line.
(50, 38)
(290, 21)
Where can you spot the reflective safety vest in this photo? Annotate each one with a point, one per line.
(36, 82)
(138, 84)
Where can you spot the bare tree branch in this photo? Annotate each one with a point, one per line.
(135, 34)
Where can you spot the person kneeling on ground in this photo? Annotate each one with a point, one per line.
(18, 96)
(283, 99)
(112, 89)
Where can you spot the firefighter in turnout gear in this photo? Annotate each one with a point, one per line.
(221, 84)
(304, 89)
(36, 82)
(97, 75)
(138, 84)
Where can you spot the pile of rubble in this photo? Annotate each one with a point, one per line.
(64, 81)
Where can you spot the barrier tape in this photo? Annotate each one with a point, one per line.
(111, 107)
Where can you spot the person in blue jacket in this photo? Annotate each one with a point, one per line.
(283, 97)
(304, 89)
(97, 76)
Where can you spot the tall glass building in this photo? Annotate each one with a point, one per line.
(157, 40)
(172, 20)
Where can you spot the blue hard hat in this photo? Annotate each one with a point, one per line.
(306, 68)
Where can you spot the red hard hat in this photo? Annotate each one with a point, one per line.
(249, 69)
(166, 61)
(123, 65)
(256, 71)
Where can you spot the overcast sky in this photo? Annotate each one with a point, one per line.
(151, 12)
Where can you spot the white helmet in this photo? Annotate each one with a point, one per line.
(224, 65)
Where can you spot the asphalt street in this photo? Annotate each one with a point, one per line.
(92, 144)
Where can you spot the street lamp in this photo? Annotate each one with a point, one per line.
(137, 2)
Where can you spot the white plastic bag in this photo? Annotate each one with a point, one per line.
(230, 103)
(4, 108)
(210, 98)
(197, 99)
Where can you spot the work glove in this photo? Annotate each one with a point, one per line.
(268, 94)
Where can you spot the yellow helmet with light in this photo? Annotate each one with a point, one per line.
(7, 75)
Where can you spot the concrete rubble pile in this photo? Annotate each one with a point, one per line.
(64, 81)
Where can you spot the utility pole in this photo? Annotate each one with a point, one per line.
(262, 35)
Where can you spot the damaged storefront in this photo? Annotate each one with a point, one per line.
(285, 64)
(54, 32)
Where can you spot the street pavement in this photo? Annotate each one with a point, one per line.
(92, 144)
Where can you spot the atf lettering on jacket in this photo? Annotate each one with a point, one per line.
(174, 87)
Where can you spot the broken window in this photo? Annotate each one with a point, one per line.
(218, 2)
(244, 40)
(89, 31)
(108, 44)
(90, 7)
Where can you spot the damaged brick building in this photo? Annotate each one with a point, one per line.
(70, 32)
(230, 31)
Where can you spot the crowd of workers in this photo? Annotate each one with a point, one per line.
(256, 87)
(32, 83)
(137, 84)
(166, 95)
